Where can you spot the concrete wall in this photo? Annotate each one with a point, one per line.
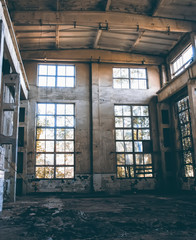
(104, 98)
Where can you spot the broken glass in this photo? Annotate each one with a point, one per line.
(120, 159)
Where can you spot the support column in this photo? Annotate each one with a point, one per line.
(96, 126)
(10, 108)
(2, 172)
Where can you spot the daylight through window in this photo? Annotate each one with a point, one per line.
(182, 61)
(133, 145)
(134, 78)
(55, 140)
(186, 136)
(56, 75)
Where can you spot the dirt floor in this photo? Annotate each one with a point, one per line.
(128, 216)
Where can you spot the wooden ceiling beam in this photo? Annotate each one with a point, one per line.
(92, 19)
(156, 7)
(108, 4)
(98, 36)
(57, 36)
(137, 40)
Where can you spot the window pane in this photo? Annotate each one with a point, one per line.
(128, 147)
(49, 146)
(118, 122)
(138, 146)
(129, 159)
(42, 81)
(61, 70)
(60, 121)
(142, 84)
(125, 83)
(60, 109)
(40, 173)
(69, 121)
(127, 134)
(119, 134)
(49, 133)
(121, 172)
(49, 159)
(70, 71)
(116, 72)
(41, 108)
(69, 109)
(147, 159)
(127, 122)
(69, 82)
(139, 159)
(60, 172)
(51, 82)
(126, 111)
(50, 109)
(63, 133)
(50, 121)
(120, 147)
(134, 84)
(41, 133)
(51, 70)
(69, 172)
(118, 110)
(189, 171)
(42, 69)
(120, 159)
(40, 146)
(49, 172)
(117, 83)
(61, 82)
(40, 159)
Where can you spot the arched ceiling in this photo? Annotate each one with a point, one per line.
(151, 27)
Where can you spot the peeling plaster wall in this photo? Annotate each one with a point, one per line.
(104, 98)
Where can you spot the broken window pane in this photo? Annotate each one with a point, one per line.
(120, 159)
(121, 172)
(131, 139)
(189, 171)
(138, 147)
